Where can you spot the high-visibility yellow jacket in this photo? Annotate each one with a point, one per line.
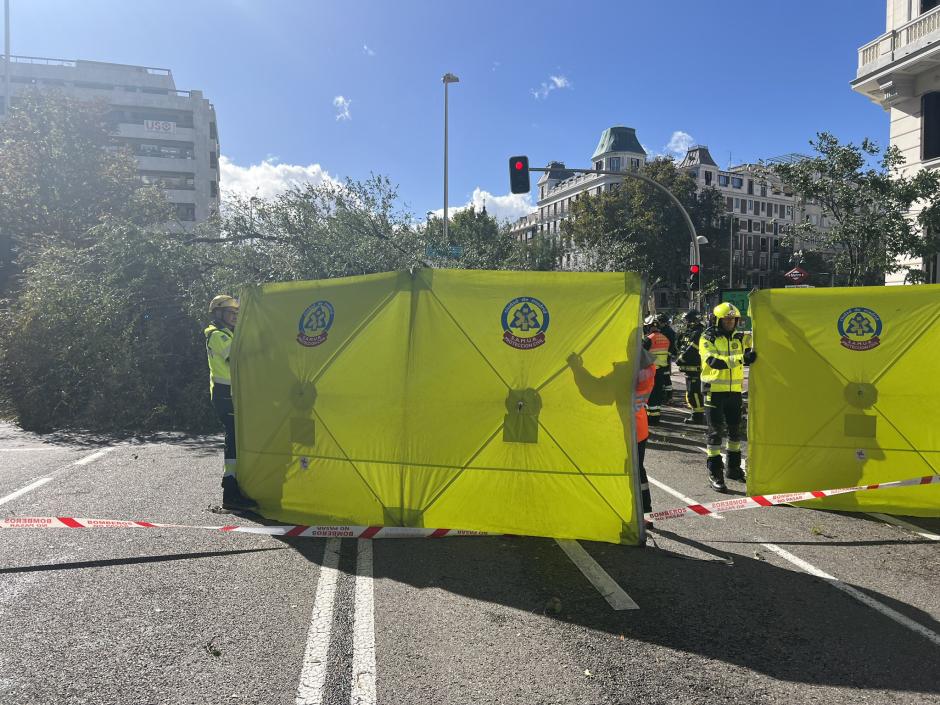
(722, 360)
(218, 350)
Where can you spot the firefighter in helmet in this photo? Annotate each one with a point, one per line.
(690, 364)
(724, 355)
(658, 346)
(219, 335)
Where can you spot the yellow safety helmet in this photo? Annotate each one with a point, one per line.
(222, 301)
(726, 310)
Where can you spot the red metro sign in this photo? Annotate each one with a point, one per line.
(796, 275)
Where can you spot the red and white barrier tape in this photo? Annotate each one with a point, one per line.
(299, 530)
(769, 500)
(408, 532)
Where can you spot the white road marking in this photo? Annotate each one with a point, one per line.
(609, 590)
(93, 457)
(678, 495)
(905, 525)
(313, 671)
(28, 488)
(20, 450)
(855, 593)
(363, 661)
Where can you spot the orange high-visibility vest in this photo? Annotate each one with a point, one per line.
(645, 380)
(659, 348)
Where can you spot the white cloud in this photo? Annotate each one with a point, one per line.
(679, 144)
(552, 84)
(367, 51)
(509, 207)
(342, 107)
(268, 179)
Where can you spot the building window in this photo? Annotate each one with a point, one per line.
(737, 182)
(662, 299)
(750, 206)
(708, 178)
(763, 207)
(750, 187)
(599, 165)
(613, 163)
(635, 164)
(776, 244)
(737, 259)
(598, 191)
(750, 242)
(928, 5)
(763, 190)
(750, 228)
(763, 244)
(930, 130)
(213, 189)
(555, 208)
(763, 261)
(744, 205)
(723, 179)
(737, 243)
(789, 212)
(186, 211)
(729, 203)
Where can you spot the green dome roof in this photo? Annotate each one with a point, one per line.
(618, 139)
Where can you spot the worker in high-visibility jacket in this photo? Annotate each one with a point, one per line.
(219, 336)
(658, 346)
(724, 356)
(614, 388)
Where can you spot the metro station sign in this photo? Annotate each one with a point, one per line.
(796, 275)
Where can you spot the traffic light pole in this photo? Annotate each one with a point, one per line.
(685, 214)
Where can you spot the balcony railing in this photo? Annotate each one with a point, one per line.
(900, 42)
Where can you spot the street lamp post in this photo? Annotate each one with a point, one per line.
(447, 79)
(6, 52)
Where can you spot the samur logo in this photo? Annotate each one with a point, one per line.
(315, 323)
(860, 329)
(525, 320)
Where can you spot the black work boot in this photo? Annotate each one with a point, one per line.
(696, 419)
(716, 476)
(734, 466)
(232, 497)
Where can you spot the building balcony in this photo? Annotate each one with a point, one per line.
(888, 65)
(165, 164)
(182, 134)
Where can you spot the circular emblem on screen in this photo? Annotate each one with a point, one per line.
(315, 324)
(525, 321)
(860, 329)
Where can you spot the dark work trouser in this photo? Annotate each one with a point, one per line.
(693, 392)
(723, 414)
(644, 482)
(225, 410)
(654, 407)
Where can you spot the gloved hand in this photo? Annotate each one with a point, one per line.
(749, 357)
(574, 361)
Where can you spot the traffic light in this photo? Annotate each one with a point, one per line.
(695, 281)
(519, 175)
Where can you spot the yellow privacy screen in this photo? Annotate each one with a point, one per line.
(844, 393)
(441, 399)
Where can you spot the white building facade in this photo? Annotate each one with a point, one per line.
(172, 134)
(900, 71)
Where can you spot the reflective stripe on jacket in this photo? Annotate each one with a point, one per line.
(218, 351)
(645, 380)
(722, 360)
(658, 348)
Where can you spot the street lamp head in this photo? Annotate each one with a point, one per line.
(702, 240)
(450, 78)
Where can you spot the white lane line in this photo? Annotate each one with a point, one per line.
(28, 488)
(21, 450)
(609, 590)
(678, 495)
(855, 593)
(905, 525)
(363, 661)
(313, 671)
(93, 457)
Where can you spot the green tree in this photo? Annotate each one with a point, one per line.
(61, 174)
(867, 199)
(636, 227)
(475, 241)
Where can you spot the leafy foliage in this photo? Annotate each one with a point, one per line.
(871, 230)
(638, 228)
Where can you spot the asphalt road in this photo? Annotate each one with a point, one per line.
(729, 610)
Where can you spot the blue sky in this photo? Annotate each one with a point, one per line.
(749, 79)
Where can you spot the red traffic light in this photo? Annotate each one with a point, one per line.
(694, 269)
(519, 174)
(519, 165)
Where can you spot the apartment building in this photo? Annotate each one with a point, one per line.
(898, 70)
(172, 133)
(759, 215)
